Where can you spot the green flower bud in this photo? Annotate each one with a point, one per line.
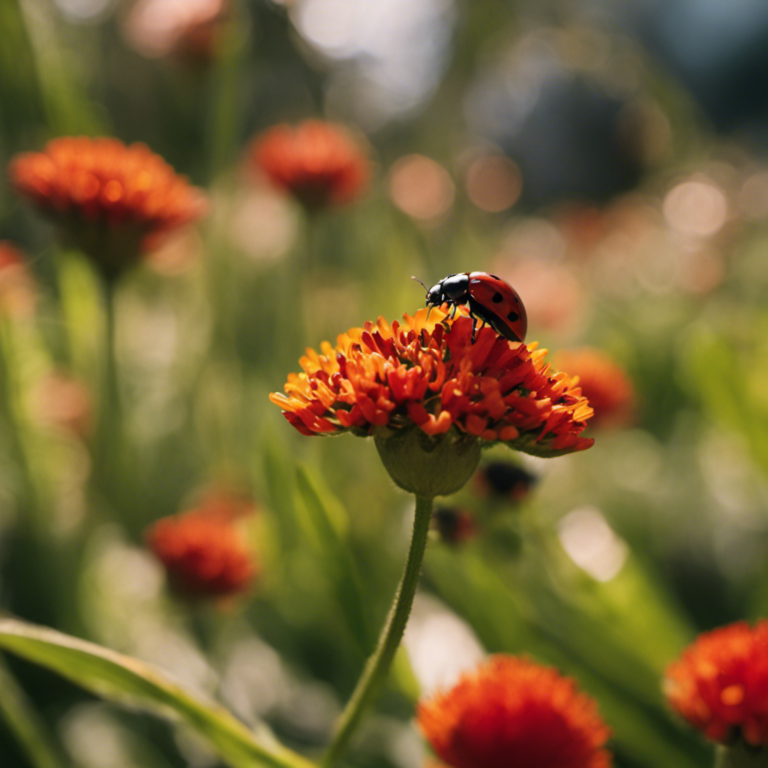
(429, 466)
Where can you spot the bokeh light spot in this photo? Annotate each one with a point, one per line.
(421, 187)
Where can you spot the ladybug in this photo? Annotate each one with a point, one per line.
(489, 298)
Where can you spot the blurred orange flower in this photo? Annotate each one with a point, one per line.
(204, 553)
(720, 683)
(604, 383)
(319, 163)
(513, 713)
(426, 372)
(62, 402)
(111, 200)
(18, 294)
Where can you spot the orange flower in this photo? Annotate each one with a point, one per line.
(17, 286)
(426, 372)
(319, 163)
(111, 200)
(204, 553)
(604, 383)
(513, 713)
(720, 684)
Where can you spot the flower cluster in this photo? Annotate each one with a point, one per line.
(427, 372)
(513, 713)
(319, 163)
(111, 200)
(204, 552)
(720, 683)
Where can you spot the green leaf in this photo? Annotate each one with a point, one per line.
(26, 725)
(129, 681)
(329, 523)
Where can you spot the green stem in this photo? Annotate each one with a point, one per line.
(226, 111)
(109, 435)
(741, 756)
(376, 669)
(111, 374)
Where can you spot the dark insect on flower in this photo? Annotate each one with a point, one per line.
(489, 298)
(454, 525)
(504, 480)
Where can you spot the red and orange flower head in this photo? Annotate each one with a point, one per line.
(425, 377)
(720, 684)
(204, 552)
(604, 383)
(319, 163)
(513, 713)
(112, 201)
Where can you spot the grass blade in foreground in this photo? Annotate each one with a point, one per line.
(124, 679)
(23, 721)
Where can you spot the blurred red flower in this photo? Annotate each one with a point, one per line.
(110, 200)
(18, 294)
(319, 163)
(514, 713)
(604, 383)
(204, 553)
(427, 372)
(720, 683)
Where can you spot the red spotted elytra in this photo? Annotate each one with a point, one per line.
(489, 298)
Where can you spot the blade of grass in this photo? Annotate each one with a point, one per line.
(328, 518)
(25, 724)
(124, 679)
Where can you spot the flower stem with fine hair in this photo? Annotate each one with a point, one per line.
(378, 664)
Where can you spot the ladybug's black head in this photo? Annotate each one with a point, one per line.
(435, 295)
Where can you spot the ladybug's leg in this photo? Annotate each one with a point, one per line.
(479, 314)
(454, 309)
